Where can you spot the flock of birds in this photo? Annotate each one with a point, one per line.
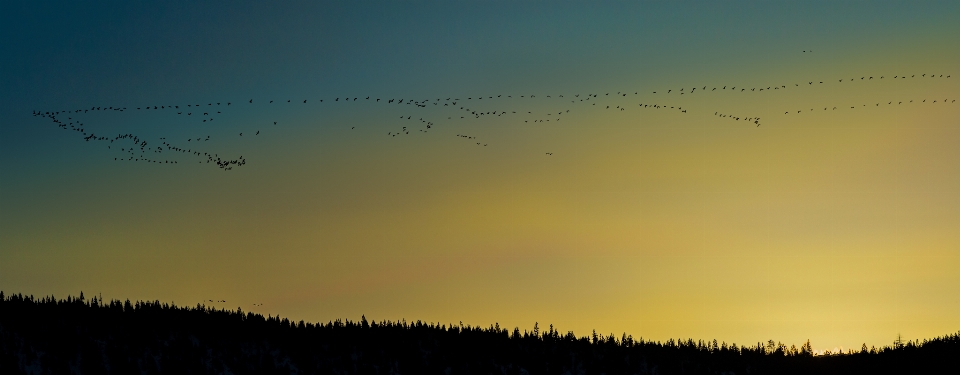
(224, 301)
(134, 148)
(795, 85)
(944, 101)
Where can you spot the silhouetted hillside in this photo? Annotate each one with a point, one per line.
(75, 335)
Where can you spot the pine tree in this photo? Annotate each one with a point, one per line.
(806, 349)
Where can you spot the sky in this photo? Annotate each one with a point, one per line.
(824, 207)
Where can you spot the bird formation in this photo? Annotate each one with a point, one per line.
(755, 120)
(140, 150)
(134, 148)
(889, 103)
(780, 86)
(224, 301)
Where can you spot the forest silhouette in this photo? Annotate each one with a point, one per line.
(90, 336)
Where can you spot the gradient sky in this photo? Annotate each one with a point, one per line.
(838, 226)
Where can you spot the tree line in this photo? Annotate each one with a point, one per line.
(46, 335)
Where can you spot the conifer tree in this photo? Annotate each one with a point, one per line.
(806, 349)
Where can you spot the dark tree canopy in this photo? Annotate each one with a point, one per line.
(89, 336)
